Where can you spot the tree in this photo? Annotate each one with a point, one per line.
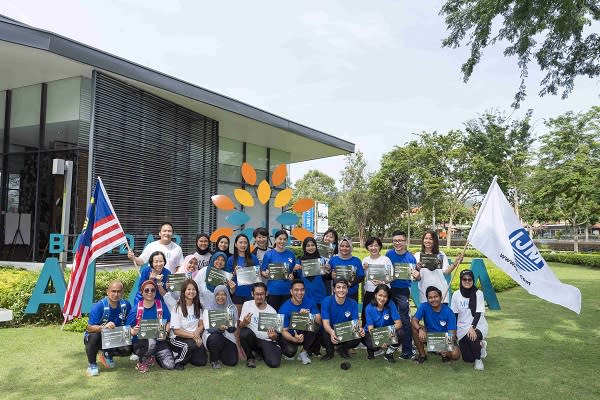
(315, 185)
(550, 31)
(499, 147)
(355, 193)
(565, 182)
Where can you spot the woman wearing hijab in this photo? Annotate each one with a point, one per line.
(345, 257)
(188, 266)
(315, 286)
(218, 261)
(203, 252)
(220, 341)
(472, 328)
(222, 245)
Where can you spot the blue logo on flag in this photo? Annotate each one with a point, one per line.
(527, 256)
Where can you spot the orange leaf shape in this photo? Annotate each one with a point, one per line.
(244, 197)
(278, 176)
(301, 233)
(264, 192)
(249, 173)
(283, 198)
(221, 232)
(223, 202)
(303, 205)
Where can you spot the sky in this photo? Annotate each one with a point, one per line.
(370, 72)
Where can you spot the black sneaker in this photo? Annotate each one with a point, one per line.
(370, 354)
(390, 357)
(406, 356)
(327, 357)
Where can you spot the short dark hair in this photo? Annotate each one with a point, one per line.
(154, 254)
(167, 223)
(260, 231)
(433, 289)
(372, 240)
(386, 289)
(259, 285)
(295, 281)
(281, 232)
(341, 280)
(398, 233)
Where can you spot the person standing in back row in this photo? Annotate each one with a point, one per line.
(171, 250)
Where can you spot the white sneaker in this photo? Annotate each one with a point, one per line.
(379, 353)
(134, 357)
(304, 358)
(478, 365)
(288, 358)
(483, 349)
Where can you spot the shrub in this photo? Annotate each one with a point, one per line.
(590, 260)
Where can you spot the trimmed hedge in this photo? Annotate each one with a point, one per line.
(590, 260)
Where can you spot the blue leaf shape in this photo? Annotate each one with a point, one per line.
(287, 218)
(237, 218)
(248, 232)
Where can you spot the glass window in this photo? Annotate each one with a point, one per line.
(25, 118)
(231, 155)
(257, 156)
(62, 114)
(2, 109)
(279, 157)
(273, 214)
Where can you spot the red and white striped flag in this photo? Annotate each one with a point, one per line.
(102, 232)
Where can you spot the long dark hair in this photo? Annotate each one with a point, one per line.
(386, 289)
(435, 249)
(196, 301)
(335, 238)
(247, 253)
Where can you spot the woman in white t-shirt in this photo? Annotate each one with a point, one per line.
(472, 328)
(374, 245)
(187, 328)
(433, 276)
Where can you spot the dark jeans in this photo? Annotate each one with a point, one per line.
(270, 350)
(289, 349)
(400, 297)
(93, 344)
(366, 301)
(185, 350)
(329, 347)
(160, 349)
(221, 348)
(471, 349)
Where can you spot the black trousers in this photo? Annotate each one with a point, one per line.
(185, 350)
(160, 349)
(270, 350)
(289, 349)
(372, 347)
(366, 301)
(400, 297)
(93, 344)
(329, 347)
(471, 349)
(276, 300)
(221, 348)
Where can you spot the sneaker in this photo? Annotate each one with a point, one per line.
(327, 357)
(105, 360)
(344, 354)
(361, 346)
(420, 359)
(370, 354)
(134, 357)
(288, 358)
(92, 370)
(150, 361)
(251, 363)
(179, 367)
(142, 367)
(478, 365)
(406, 356)
(304, 358)
(483, 350)
(379, 353)
(215, 365)
(390, 357)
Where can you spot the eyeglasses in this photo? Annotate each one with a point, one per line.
(399, 241)
(467, 280)
(149, 290)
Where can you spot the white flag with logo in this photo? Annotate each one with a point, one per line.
(498, 233)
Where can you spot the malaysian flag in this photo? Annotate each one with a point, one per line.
(102, 232)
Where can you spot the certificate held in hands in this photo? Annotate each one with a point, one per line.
(248, 275)
(117, 337)
(379, 272)
(217, 277)
(347, 272)
(270, 320)
(312, 267)
(278, 271)
(152, 329)
(403, 271)
(431, 261)
(348, 330)
(439, 341)
(384, 335)
(219, 318)
(302, 321)
(174, 281)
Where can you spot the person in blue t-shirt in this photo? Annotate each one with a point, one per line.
(379, 313)
(345, 257)
(335, 309)
(109, 313)
(242, 257)
(290, 337)
(279, 289)
(401, 288)
(438, 317)
(150, 350)
(156, 272)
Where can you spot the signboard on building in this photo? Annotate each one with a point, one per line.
(322, 218)
(308, 220)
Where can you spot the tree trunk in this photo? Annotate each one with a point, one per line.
(449, 231)
(587, 230)
(575, 236)
(516, 204)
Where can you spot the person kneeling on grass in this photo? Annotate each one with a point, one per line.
(438, 318)
(108, 313)
(380, 313)
(336, 309)
(469, 309)
(290, 337)
(151, 349)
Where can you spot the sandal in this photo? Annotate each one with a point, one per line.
(420, 359)
(251, 363)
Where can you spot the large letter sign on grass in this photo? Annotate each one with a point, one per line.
(50, 273)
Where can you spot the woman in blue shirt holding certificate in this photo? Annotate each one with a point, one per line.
(379, 314)
(279, 289)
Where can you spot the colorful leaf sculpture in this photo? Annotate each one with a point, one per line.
(287, 218)
(283, 198)
(264, 192)
(237, 218)
(222, 202)
(278, 176)
(303, 205)
(221, 232)
(249, 173)
(244, 197)
(301, 233)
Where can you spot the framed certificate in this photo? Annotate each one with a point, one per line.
(174, 281)
(346, 331)
(270, 320)
(384, 335)
(302, 321)
(219, 318)
(403, 270)
(117, 337)
(347, 272)
(378, 272)
(217, 277)
(431, 261)
(312, 267)
(278, 271)
(439, 341)
(152, 329)
(325, 249)
(248, 275)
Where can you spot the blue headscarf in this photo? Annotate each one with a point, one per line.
(211, 264)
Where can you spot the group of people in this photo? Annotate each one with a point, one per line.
(314, 312)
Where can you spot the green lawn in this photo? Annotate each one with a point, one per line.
(537, 350)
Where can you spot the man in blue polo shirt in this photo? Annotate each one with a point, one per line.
(335, 309)
(108, 313)
(401, 289)
(439, 318)
(290, 337)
